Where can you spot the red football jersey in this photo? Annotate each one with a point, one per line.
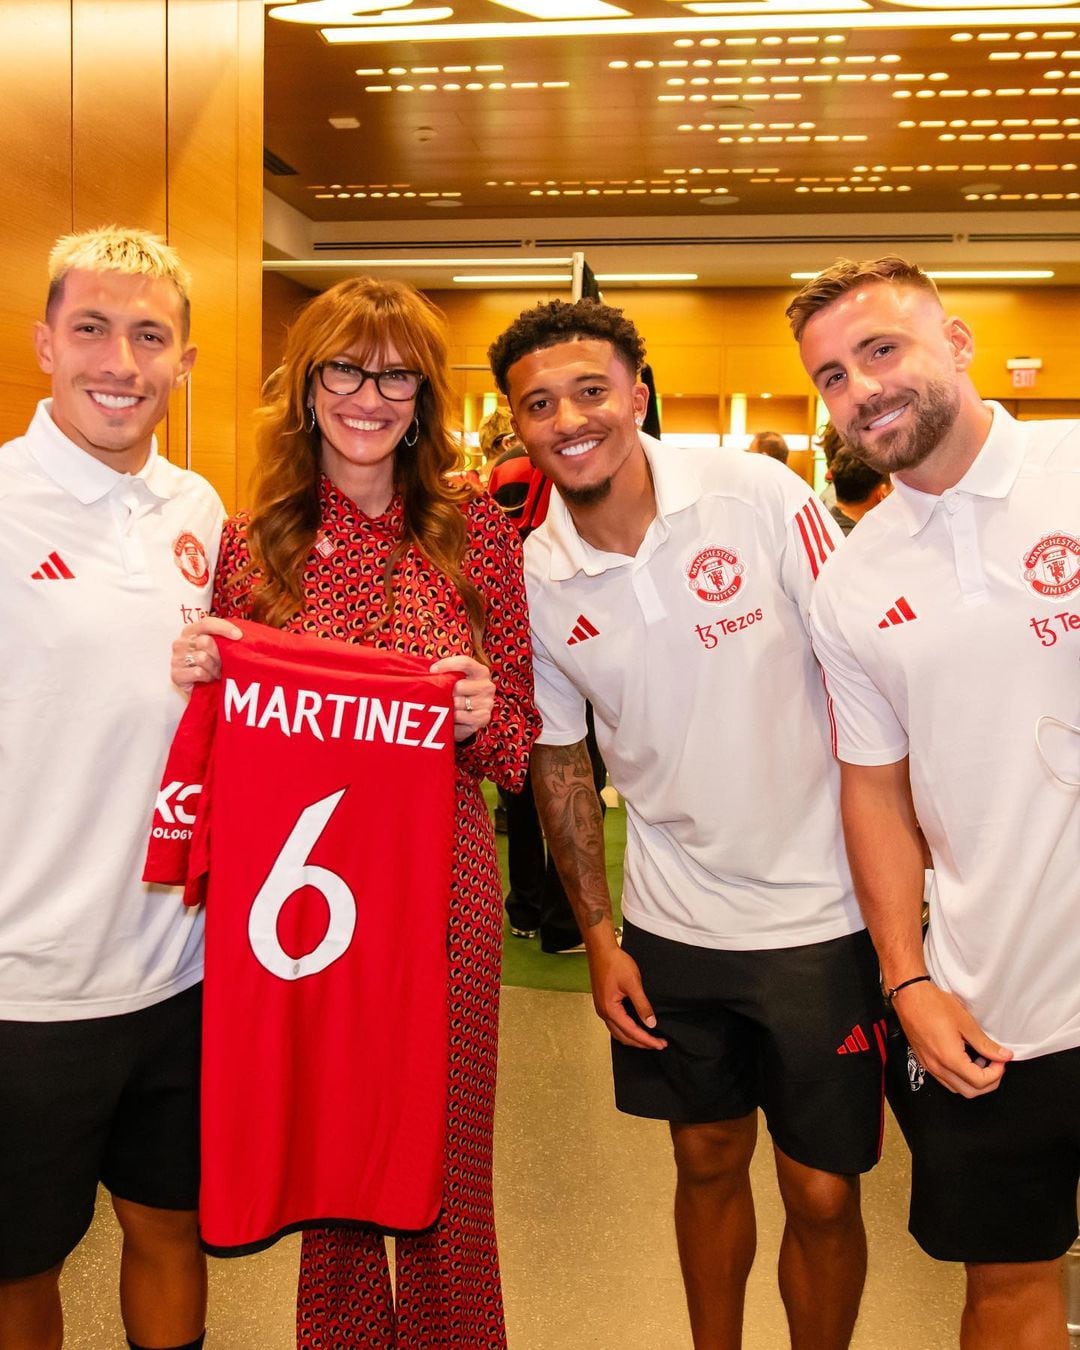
(309, 794)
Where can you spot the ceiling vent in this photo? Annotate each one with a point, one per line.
(276, 165)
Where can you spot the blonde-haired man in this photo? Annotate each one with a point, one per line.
(106, 549)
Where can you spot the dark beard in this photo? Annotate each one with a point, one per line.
(586, 496)
(935, 412)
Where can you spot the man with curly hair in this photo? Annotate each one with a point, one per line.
(669, 587)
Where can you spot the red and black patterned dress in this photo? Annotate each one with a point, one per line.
(448, 1291)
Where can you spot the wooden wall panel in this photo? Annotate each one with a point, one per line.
(211, 221)
(35, 163)
(249, 233)
(722, 342)
(203, 132)
(281, 299)
(149, 114)
(118, 114)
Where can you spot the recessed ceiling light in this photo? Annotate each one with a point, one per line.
(344, 123)
(716, 200)
(443, 203)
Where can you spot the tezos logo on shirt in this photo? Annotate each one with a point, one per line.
(715, 575)
(1052, 567)
(190, 557)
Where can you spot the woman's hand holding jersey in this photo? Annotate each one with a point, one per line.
(195, 657)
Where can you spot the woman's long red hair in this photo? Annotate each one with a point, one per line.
(365, 316)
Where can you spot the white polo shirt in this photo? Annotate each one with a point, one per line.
(948, 628)
(710, 709)
(98, 572)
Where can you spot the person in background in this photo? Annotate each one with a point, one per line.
(665, 584)
(859, 488)
(769, 443)
(357, 534)
(510, 469)
(106, 547)
(495, 436)
(948, 631)
(830, 442)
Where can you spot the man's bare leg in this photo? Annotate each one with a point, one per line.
(715, 1225)
(1014, 1306)
(162, 1275)
(30, 1313)
(822, 1255)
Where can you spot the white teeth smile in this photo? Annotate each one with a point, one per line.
(886, 418)
(115, 400)
(572, 451)
(355, 425)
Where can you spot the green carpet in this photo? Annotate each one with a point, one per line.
(523, 962)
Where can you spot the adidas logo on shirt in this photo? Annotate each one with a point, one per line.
(582, 631)
(901, 612)
(54, 568)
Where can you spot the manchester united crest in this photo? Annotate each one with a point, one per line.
(190, 557)
(1052, 567)
(715, 575)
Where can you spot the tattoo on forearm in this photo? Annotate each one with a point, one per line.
(570, 812)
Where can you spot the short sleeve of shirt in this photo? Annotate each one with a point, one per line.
(561, 707)
(864, 727)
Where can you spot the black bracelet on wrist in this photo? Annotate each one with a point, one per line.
(915, 979)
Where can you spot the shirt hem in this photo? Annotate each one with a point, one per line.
(844, 926)
(84, 1011)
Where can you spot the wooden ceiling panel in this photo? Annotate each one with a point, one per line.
(785, 112)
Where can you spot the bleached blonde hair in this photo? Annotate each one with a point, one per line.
(117, 248)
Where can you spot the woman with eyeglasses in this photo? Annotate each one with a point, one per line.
(357, 534)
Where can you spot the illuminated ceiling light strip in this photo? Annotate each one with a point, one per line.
(646, 276)
(538, 279)
(471, 32)
(330, 264)
(526, 279)
(1000, 275)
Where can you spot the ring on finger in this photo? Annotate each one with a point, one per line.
(189, 658)
(468, 704)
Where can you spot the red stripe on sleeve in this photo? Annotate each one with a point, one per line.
(810, 553)
(829, 541)
(820, 533)
(904, 608)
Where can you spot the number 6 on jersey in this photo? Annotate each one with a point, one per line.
(291, 871)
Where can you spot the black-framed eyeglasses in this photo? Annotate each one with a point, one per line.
(394, 383)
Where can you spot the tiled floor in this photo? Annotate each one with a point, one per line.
(584, 1201)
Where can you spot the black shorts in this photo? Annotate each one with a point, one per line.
(110, 1099)
(993, 1178)
(798, 1031)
